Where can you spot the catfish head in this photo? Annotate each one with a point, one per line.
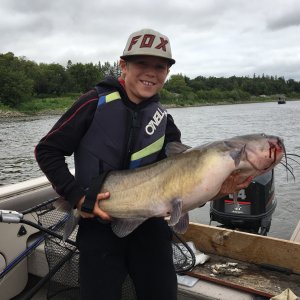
(255, 154)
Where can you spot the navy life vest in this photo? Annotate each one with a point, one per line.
(119, 137)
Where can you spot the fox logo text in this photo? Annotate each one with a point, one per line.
(147, 42)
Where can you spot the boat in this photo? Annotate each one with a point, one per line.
(268, 265)
(281, 100)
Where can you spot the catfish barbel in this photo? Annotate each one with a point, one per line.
(185, 180)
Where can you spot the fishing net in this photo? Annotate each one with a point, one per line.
(183, 255)
(63, 259)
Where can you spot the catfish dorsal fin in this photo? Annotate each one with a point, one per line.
(174, 148)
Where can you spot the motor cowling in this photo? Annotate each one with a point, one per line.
(253, 213)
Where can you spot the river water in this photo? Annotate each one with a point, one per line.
(198, 125)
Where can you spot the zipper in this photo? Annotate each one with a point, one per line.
(133, 124)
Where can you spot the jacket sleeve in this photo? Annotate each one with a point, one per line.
(61, 141)
(172, 134)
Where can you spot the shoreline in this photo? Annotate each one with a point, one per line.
(18, 114)
(4, 114)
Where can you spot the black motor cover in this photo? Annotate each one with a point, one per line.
(256, 205)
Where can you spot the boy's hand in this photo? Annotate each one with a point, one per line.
(97, 212)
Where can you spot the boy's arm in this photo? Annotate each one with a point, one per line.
(61, 141)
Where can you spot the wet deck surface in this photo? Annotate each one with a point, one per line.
(253, 278)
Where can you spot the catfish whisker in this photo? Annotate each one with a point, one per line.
(297, 162)
(296, 155)
(286, 163)
(292, 154)
(289, 165)
(288, 170)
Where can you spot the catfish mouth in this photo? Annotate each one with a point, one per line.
(271, 156)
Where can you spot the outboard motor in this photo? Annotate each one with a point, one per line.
(253, 213)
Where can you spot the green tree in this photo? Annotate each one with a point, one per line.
(52, 80)
(110, 70)
(177, 84)
(15, 86)
(167, 97)
(84, 76)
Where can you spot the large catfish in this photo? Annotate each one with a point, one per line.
(186, 179)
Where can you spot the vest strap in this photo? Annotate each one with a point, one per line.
(93, 191)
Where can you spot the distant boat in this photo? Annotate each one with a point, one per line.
(281, 100)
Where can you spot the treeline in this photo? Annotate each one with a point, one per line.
(22, 80)
(232, 89)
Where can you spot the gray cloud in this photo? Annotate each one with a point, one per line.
(288, 16)
(210, 38)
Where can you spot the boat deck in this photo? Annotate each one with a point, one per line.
(205, 290)
(202, 290)
(254, 279)
(255, 282)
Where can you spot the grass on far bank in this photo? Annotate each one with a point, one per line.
(44, 105)
(36, 106)
(58, 105)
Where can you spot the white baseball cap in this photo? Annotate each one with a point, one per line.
(148, 42)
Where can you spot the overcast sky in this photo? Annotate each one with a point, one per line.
(208, 37)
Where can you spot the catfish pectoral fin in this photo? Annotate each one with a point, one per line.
(123, 227)
(182, 224)
(176, 211)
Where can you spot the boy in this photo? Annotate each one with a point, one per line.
(103, 129)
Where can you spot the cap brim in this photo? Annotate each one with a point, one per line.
(170, 60)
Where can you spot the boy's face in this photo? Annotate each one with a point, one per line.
(144, 76)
